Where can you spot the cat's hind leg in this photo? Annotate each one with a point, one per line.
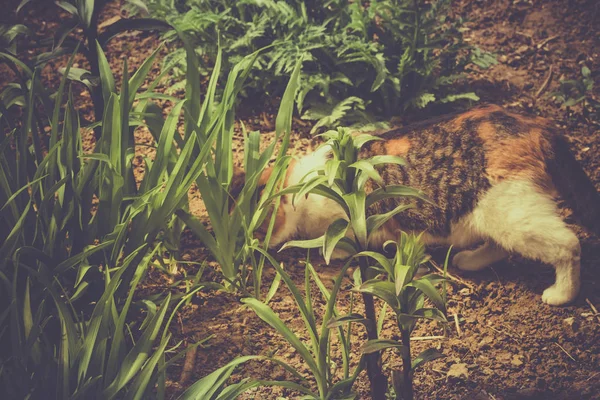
(479, 258)
(520, 218)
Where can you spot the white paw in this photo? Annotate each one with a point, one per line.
(465, 261)
(556, 296)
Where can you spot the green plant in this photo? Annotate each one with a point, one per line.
(83, 14)
(317, 355)
(232, 230)
(347, 179)
(397, 287)
(574, 92)
(360, 59)
(48, 256)
(72, 221)
(56, 351)
(73, 218)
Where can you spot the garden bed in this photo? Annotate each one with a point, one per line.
(502, 342)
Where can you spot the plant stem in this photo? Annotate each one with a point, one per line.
(91, 54)
(376, 377)
(407, 387)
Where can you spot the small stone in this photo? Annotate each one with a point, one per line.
(485, 343)
(522, 49)
(458, 371)
(465, 292)
(571, 324)
(517, 361)
(503, 357)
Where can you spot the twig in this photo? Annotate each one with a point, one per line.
(516, 339)
(527, 35)
(452, 277)
(545, 41)
(443, 377)
(188, 365)
(180, 320)
(421, 338)
(594, 309)
(458, 331)
(563, 349)
(545, 84)
(509, 329)
(591, 377)
(497, 276)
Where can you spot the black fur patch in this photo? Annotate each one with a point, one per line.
(447, 165)
(507, 125)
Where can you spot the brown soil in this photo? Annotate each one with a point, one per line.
(511, 344)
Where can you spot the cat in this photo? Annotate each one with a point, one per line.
(494, 178)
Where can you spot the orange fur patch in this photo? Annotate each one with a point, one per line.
(397, 147)
(264, 177)
(520, 156)
(475, 114)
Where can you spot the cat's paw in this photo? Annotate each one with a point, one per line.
(466, 261)
(556, 296)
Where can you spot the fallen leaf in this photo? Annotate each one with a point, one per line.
(458, 371)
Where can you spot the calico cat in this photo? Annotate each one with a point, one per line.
(494, 178)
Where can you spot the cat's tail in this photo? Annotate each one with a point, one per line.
(574, 185)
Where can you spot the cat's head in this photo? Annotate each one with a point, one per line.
(237, 184)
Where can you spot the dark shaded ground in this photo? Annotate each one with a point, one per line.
(512, 345)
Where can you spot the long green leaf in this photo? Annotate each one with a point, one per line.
(383, 289)
(430, 291)
(376, 345)
(283, 122)
(211, 384)
(395, 191)
(106, 76)
(425, 356)
(374, 222)
(335, 232)
(266, 314)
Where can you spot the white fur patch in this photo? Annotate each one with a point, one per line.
(308, 217)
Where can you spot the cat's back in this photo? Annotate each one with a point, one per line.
(455, 159)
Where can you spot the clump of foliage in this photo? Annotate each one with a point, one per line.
(360, 58)
(79, 33)
(317, 355)
(232, 237)
(397, 286)
(58, 242)
(78, 233)
(579, 92)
